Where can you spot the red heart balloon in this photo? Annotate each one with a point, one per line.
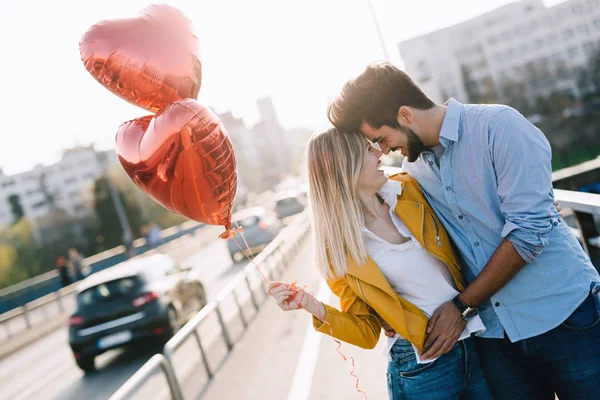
(151, 60)
(184, 159)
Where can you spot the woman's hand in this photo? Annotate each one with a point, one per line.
(291, 297)
(287, 296)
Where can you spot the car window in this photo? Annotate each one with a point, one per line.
(248, 222)
(107, 291)
(291, 201)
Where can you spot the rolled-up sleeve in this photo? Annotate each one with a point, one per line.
(521, 157)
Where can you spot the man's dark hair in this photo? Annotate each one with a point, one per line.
(375, 97)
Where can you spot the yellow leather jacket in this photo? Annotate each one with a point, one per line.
(364, 291)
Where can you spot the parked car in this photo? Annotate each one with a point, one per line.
(288, 204)
(146, 298)
(260, 228)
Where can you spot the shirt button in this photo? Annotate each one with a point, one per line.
(430, 162)
(476, 244)
(555, 223)
(448, 188)
(497, 304)
(460, 217)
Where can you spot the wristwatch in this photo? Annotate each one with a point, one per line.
(466, 311)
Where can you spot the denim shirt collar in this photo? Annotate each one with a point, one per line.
(450, 127)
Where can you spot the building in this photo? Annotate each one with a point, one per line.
(264, 153)
(63, 188)
(522, 48)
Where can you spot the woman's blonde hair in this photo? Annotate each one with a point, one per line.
(335, 162)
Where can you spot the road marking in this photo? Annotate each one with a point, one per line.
(303, 378)
(40, 384)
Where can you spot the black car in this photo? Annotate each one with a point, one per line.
(147, 298)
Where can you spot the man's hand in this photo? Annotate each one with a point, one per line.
(557, 205)
(387, 329)
(444, 328)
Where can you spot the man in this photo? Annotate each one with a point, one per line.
(486, 171)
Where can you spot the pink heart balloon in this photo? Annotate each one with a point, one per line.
(183, 159)
(151, 60)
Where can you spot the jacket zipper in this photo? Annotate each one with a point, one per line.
(437, 234)
(437, 238)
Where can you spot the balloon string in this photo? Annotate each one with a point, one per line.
(292, 286)
(248, 254)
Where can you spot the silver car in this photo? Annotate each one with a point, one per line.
(260, 228)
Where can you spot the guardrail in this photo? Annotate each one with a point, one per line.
(586, 208)
(272, 261)
(31, 289)
(34, 313)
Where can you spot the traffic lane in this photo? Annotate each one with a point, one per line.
(40, 362)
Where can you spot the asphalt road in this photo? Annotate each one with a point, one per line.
(46, 369)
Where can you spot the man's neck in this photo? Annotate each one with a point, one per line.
(432, 121)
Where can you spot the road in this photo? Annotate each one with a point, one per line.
(46, 369)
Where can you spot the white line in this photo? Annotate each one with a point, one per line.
(40, 384)
(302, 382)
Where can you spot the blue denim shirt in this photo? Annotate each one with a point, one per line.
(494, 181)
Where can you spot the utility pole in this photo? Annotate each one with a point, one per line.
(384, 48)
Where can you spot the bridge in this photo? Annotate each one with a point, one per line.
(238, 347)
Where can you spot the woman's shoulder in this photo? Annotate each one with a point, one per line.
(402, 177)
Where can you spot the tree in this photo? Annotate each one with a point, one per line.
(15, 207)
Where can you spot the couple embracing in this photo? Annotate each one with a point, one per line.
(463, 258)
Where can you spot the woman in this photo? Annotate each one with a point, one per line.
(384, 252)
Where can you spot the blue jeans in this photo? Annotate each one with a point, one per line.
(455, 375)
(565, 361)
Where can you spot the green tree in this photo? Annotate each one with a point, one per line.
(15, 207)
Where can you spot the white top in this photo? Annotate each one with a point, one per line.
(412, 271)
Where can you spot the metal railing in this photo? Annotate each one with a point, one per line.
(272, 261)
(34, 313)
(586, 209)
(19, 294)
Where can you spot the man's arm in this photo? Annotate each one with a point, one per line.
(521, 157)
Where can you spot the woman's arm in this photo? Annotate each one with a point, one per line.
(356, 323)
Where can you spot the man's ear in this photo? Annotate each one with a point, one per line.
(405, 116)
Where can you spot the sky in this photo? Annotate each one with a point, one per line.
(300, 53)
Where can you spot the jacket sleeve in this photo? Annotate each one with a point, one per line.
(356, 323)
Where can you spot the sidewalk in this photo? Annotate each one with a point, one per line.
(281, 357)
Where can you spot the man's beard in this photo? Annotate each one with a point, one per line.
(415, 145)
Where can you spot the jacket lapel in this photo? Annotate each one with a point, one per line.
(371, 274)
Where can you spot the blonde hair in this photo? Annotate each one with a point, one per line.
(335, 162)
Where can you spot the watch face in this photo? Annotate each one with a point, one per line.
(470, 313)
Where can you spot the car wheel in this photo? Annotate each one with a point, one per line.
(174, 324)
(87, 364)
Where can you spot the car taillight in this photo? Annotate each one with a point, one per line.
(145, 299)
(263, 225)
(75, 320)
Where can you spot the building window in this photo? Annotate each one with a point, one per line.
(588, 48)
(39, 204)
(8, 183)
(577, 9)
(583, 30)
(573, 52)
(593, 3)
(597, 23)
(539, 44)
(70, 180)
(567, 34)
